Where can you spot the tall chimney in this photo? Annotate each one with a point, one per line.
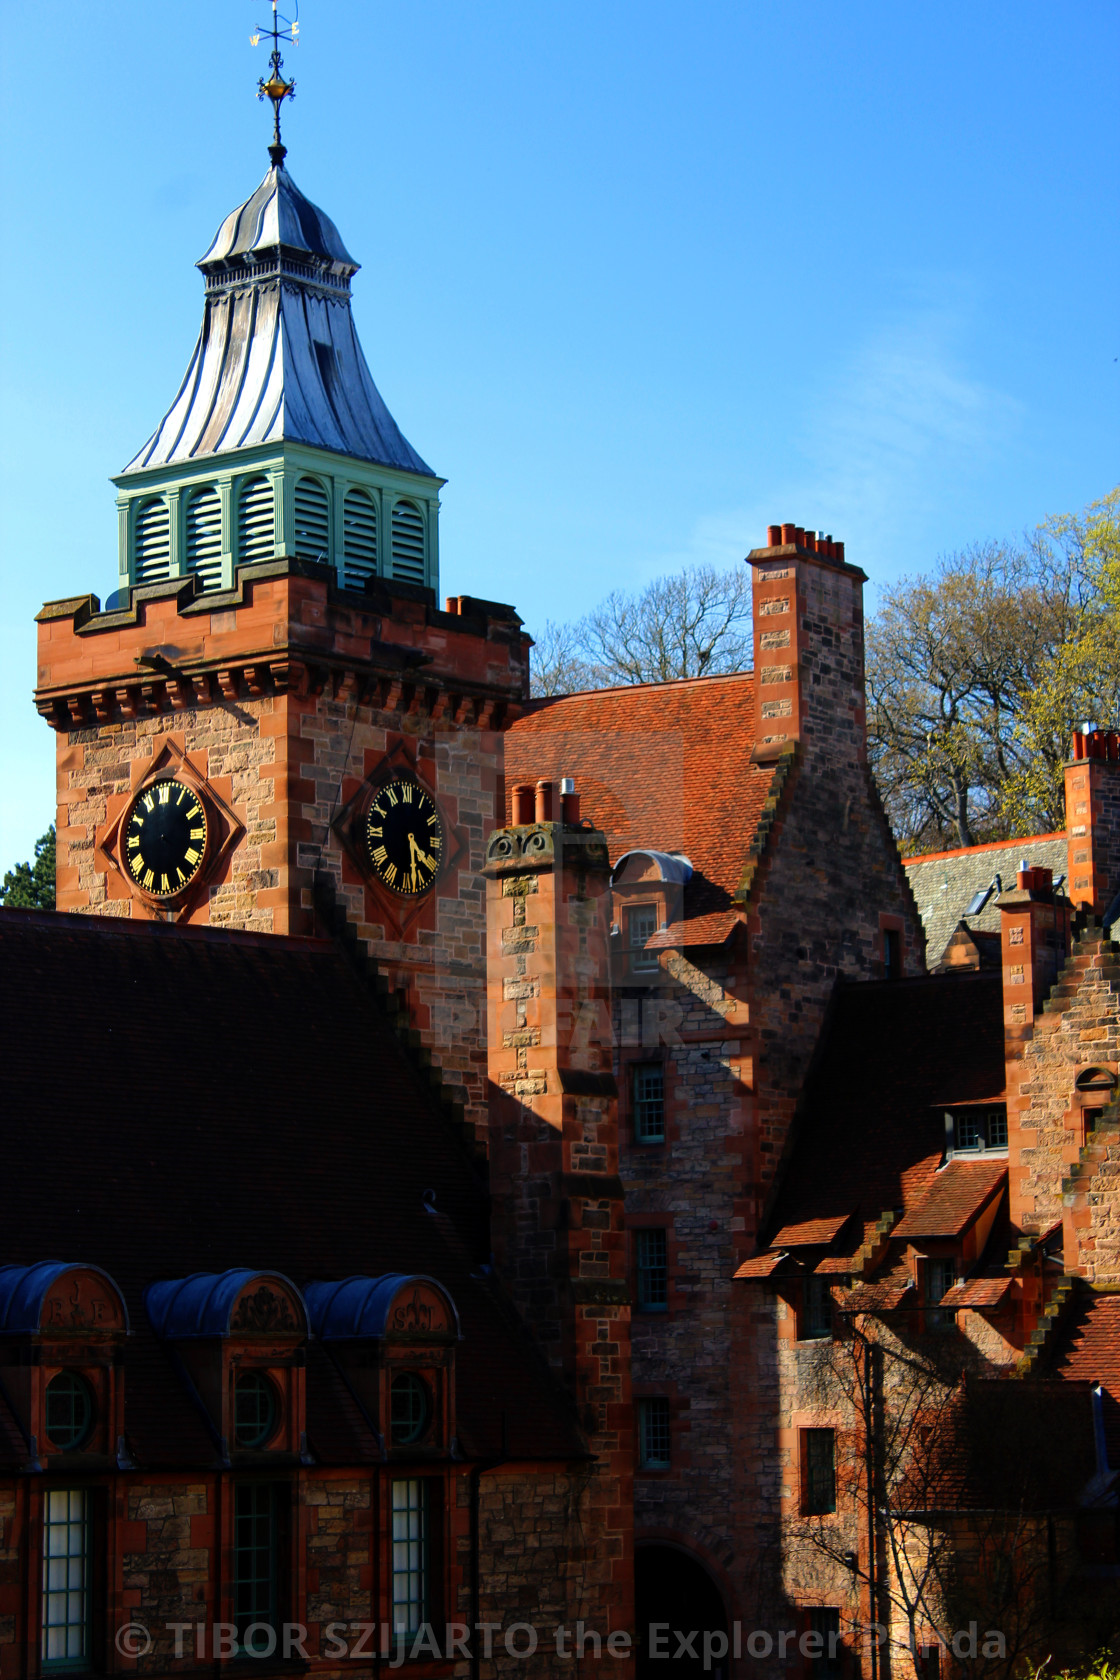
(1093, 818)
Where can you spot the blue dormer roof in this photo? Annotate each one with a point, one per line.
(670, 866)
(23, 1289)
(202, 1305)
(357, 1309)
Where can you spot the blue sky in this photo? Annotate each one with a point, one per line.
(638, 279)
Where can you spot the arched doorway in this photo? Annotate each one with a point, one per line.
(671, 1587)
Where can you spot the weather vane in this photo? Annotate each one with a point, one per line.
(276, 88)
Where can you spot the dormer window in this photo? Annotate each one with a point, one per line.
(971, 1131)
(641, 925)
(69, 1411)
(256, 1410)
(410, 1409)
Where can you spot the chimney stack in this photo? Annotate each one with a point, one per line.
(1093, 818)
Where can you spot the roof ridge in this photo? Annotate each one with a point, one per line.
(541, 701)
(132, 928)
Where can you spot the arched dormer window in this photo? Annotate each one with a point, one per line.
(204, 537)
(152, 541)
(359, 539)
(256, 523)
(312, 520)
(240, 1336)
(408, 542)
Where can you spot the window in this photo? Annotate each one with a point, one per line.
(204, 537)
(255, 1410)
(816, 1311)
(653, 1434)
(941, 1275)
(69, 1416)
(66, 1583)
(410, 1409)
(359, 539)
(256, 528)
(929, 1662)
(648, 1090)
(825, 1623)
(411, 1555)
(641, 925)
(818, 1469)
(312, 520)
(979, 1128)
(153, 542)
(653, 1270)
(892, 954)
(256, 1563)
(408, 542)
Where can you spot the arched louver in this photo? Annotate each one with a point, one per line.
(256, 525)
(408, 542)
(153, 542)
(312, 520)
(204, 537)
(359, 539)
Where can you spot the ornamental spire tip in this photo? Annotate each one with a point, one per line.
(277, 88)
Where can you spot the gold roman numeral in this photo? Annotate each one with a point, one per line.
(149, 803)
(164, 792)
(406, 792)
(182, 796)
(390, 873)
(164, 884)
(193, 812)
(391, 796)
(136, 864)
(133, 840)
(380, 855)
(198, 834)
(377, 831)
(149, 878)
(191, 855)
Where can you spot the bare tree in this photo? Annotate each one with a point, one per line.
(694, 623)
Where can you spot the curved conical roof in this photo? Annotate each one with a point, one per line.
(277, 214)
(278, 358)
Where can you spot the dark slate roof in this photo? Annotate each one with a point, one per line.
(871, 1136)
(944, 883)
(190, 1100)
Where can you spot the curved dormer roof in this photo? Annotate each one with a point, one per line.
(359, 1308)
(670, 866)
(278, 214)
(202, 1305)
(25, 1290)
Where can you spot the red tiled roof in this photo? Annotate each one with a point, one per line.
(979, 1293)
(665, 766)
(957, 1196)
(810, 1232)
(761, 1266)
(1088, 1350)
(180, 1100)
(870, 1139)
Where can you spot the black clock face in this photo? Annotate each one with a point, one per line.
(165, 838)
(404, 837)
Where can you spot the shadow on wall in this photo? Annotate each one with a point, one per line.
(671, 1587)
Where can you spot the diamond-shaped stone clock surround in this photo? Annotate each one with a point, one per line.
(398, 915)
(223, 830)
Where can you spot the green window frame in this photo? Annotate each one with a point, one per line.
(655, 1437)
(256, 1559)
(69, 1411)
(819, 1470)
(410, 1409)
(410, 1509)
(66, 1602)
(648, 1096)
(256, 1409)
(652, 1248)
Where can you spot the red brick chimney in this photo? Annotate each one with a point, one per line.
(808, 645)
(559, 1236)
(1093, 818)
(1034, 942)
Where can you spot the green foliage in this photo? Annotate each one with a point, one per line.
(30, 886)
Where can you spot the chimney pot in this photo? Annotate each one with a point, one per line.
(544, 801)
(839, 551)
(773, 536)
(789, 533)
(522, 803)
(799, 535)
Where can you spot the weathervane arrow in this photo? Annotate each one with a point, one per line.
(276, 87)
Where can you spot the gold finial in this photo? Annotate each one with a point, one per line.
(276, 88)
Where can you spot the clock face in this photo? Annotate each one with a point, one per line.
(165, 838)
(404, 837)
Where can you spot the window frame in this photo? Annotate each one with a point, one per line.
(818, 1501)
(641, 960)
(646, 1302)
(279, 1495)
(637, 1071)
(938, 1266)
(808, 1328)
(664, 1423)
(83, 1660)
(425, 1510)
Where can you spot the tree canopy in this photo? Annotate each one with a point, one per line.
(978, 674)
(30, 886)
(693, 623)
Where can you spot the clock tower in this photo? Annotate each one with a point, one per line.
(271, 724)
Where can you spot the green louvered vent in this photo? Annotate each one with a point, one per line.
(256, 526)
(359, 541)
(312, 520)
(204, 537)
(408, 542)
(153, 542)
